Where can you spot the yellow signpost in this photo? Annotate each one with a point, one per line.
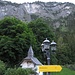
(50, 68)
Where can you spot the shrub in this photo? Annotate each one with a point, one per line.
(21, 71)
(18, 71)
(2, 67)
(10, 71)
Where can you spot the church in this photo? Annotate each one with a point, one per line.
(31, 62)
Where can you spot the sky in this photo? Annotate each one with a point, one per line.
(22, 1)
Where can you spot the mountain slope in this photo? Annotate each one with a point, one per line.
(52, 12)
(13, 9)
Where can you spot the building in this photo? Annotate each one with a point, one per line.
(31, 62)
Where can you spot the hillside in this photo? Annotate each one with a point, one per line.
(13, 9)
(51, 12)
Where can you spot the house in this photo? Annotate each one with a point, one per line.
(31, 62)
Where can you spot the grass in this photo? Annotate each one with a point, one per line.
(64, 71)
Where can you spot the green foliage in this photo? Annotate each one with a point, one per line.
(21, 71)
(15, 39)
(12, 27)
(65, 36)
(17, 71)
(30, 71)
(53, 58)
(14, 71)
(65, 47)
(41, 30)
(63, 52)
(10, 71)
(2, 68)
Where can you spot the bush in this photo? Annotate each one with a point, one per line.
(10, 71)
(30, 71)
(21, 71)
(18, 71)
(2, 67)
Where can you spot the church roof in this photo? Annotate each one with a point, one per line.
(31, 57)
(34, 60)
(30, 52)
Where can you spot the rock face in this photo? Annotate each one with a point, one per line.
(53, 10)
(13, 9)
(29, 11)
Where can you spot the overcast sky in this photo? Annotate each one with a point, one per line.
(22, 1)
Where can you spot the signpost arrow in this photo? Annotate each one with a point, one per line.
(50, 68)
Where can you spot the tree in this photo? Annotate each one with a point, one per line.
(42, 31)
(15, 39)
(62, 52)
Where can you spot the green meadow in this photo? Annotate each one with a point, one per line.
(64, 71)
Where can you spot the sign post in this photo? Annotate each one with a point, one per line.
(50, 68)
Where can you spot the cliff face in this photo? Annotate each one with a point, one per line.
(53, 10)
(13, 9)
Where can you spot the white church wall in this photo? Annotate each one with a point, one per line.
(36, 69)
(27, 65)
(24, 65)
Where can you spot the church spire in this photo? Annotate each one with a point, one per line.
(30, 52)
